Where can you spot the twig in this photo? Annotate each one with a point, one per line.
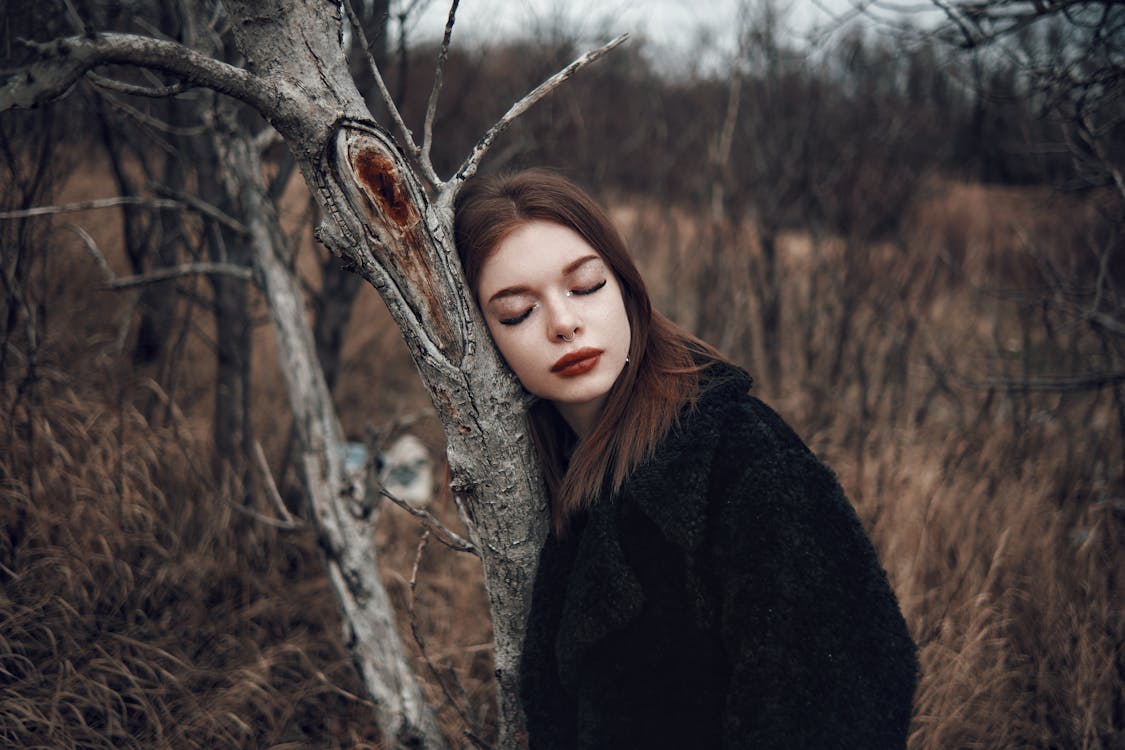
(118, 345)
(135, 90)
(1089, 381)
(444, 535)
(271, 488)
(265, 139)
(267, 520)
(203, 207)
(1098, 147)
(384, 432)
(435, 92)
(75, 17)
(92, 248)
(184, 269)
(1049, 384)
(154, 122)
(121, 200)
(469, 168)
(417, 633)
(388, 100)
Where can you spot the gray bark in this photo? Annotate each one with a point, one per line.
(381, 222)
(341, 512)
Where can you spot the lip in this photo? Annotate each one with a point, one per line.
(577, 362)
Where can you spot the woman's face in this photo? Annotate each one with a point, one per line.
(556, 312)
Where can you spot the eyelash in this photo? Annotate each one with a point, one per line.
(523, 316)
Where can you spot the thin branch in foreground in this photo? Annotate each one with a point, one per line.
(444, 535)
(435, 90)
(121, 200)
(203, 207)
(1043, 384)
(271, 488)
(75, 17)
(118, 345)
(469, 168)
(184, 269)
(418, 639)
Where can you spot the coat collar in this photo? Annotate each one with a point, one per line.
(673, 487)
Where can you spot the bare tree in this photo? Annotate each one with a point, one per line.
(389, 216)
(1068, 59)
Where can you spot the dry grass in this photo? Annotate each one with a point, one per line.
(999, 515)
(140, 608)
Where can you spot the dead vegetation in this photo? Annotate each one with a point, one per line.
(145, 606)
(942, 349)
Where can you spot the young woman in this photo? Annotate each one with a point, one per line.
(706, 583)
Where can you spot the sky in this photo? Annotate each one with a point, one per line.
(673, 27)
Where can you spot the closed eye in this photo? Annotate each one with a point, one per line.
(590, 289)
(519, 318)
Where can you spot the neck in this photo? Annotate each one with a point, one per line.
(582, 417)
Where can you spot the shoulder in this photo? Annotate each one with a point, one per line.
(735, 475)
(748, 442)
(728, 452)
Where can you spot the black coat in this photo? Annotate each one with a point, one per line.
(726, 598)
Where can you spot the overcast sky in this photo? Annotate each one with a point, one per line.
(672, 26)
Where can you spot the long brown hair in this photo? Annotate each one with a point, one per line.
(662, 376)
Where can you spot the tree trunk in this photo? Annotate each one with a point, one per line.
(382, 223)
(342, 515)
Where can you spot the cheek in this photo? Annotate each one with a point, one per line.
(510, 341)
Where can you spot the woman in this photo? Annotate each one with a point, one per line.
(706, 583)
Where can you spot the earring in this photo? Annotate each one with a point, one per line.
(626, 359)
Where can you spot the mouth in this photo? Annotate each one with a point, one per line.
(577, 362)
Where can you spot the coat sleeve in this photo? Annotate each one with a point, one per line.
(820, 655)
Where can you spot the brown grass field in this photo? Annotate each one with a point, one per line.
(141, 607)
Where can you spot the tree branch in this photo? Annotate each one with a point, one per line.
(184, 269)
(133, 89)
(435, 92)
(121, 200)
(1060, 384)
(444, 535)
(980, 24)
(63, 61)
(421, 641)
(287, 520)
(388, 100)
(203, 207)
(469, 167)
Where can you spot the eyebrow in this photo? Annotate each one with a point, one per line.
(513, 291)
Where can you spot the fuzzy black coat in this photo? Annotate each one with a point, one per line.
(726, 598)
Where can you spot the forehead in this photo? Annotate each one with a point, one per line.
(535, 251)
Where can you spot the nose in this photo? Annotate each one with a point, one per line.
(564, 322)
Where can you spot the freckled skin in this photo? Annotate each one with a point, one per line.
(542, 286)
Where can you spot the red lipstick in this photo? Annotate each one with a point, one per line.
(577, 362)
